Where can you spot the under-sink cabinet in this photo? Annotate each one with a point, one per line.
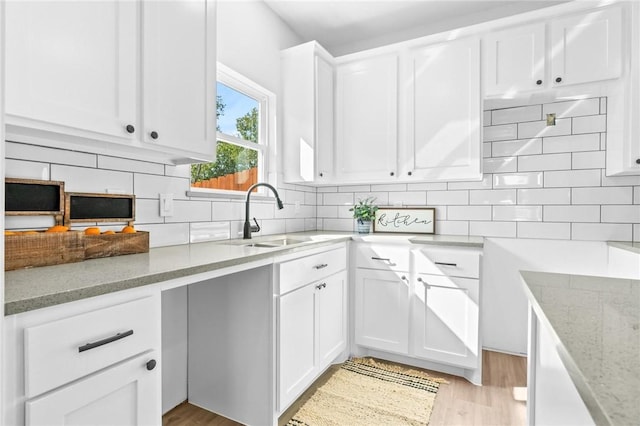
(106, 77)
(311, 320)
(419, 303)
(86, 360)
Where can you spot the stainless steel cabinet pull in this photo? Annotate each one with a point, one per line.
(446, 264)
(108, 340)
(322, 265)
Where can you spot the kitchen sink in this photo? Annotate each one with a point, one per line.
(280, 242)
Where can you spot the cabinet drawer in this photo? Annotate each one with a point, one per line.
(298, 272)
(68, 349)
(456, 262)
(385, 257)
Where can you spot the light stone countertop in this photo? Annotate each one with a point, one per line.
(595, 322)
(632, 247)
(35, 288)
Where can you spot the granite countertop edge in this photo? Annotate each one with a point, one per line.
(32, 295)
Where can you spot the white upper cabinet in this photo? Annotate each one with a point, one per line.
(443, 108)
(179, 76)
(72, 65)
(578, 49)
(514, 60)
(586, 48)
(308, 92)
(366, 119)
(80, 74)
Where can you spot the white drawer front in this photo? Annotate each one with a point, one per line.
(65, 350)
(298, 272)
(385, 257)
(455, 262)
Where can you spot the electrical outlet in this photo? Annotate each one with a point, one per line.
(166, 204)
(296, 207)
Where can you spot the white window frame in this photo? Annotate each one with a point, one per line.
(266, 132)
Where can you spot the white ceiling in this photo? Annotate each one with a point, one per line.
(346, 26)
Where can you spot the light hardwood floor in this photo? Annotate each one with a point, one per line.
(497, 402)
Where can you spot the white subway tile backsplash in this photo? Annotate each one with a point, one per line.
(337, 199)
(516, 147)
(310, 198)
(209, 231)
(275, 226)
(571, 213)
(601, 232)
(81, 179)
(427, 186)
(227, 210)
(486, 149)
(602, 195)
(391, 187)
(588, 160)
(190, 211)
(148, 211)
(492, 197)
(486, 118)
(500, 133)
(544, 230)
(447, 197)
(150, 186)
(516, 115)
(380, 198)
(636, 232)
(327, 189)
(469, 212)
(636, 195)
(294, 225)
(344, 213)
(127, 165)
(621, 214)
(500, 165)
(619, 180)
(544, 196)
(573, 108)
(493, 229)
(161, 235)
(590, 124)
(530, 163)
(452, 227)
(485, 183)
(26, 170)
(518, 180)
(28, 222)
(327, 211)
(517, 213)
(572, 178)
(345, 225)
(603, 105)
(536, 129)
(571, 143)
(354, 188)
(20, 151)
(415, 198)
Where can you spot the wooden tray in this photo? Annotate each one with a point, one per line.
(106, 245)
(42, 249)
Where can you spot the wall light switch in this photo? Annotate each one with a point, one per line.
(296, 207)
(166, 204)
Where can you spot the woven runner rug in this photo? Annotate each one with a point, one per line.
(367, 392)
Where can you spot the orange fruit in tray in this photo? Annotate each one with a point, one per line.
(92, 231)
(10, 233)
(109, 232)
(128, 230)
(30, 232)
(58, 228)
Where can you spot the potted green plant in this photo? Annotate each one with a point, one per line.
(364, 211)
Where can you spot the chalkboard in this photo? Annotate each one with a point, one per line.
(33, 197)
(99, 207)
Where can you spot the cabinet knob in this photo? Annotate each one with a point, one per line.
(154, 135)
(558, 80)
(151, 364)
(130, 128)
(539, 82)
(409, 173)
(321, 174)
(638, 161)
(392, 174)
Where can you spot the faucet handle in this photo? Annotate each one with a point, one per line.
(255, 228)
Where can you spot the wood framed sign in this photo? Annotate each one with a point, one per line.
(405, 220)
(90, 207)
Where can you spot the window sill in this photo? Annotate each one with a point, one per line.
(228, 195)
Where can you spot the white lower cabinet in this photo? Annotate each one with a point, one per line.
(420, 303)
(124, 394)
(381, 310)
(311, 324)
(445, 319)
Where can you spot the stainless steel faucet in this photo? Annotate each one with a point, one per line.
(248, 227)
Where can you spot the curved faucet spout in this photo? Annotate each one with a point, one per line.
(248, 228)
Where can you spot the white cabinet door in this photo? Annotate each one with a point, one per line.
(179, 76)
(296, 331)
(332, 318)
(366, 119)
(587, 47)
(444, 106)
(382, 310)
(126, 394)
(72, 65)
(307, 92)
(514, 60)
(446, 320)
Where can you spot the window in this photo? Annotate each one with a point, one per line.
(243, 116)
